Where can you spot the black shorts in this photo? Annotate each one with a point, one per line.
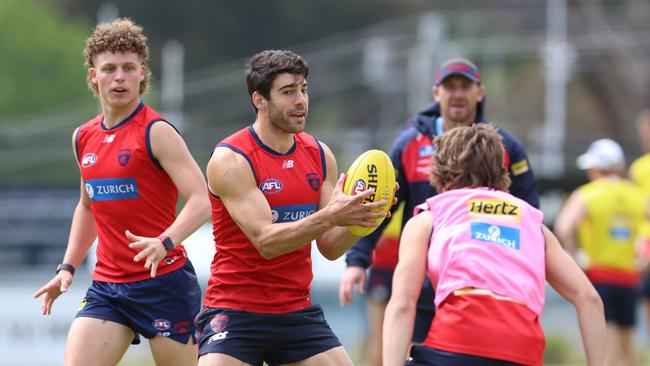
(379, 284)
(426, 356)
(619, 302)
(426, 309)
(645, 287)
(272, 338)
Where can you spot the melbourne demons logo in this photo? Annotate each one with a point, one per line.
(271, 186)
(162, 324)
(314, 181)
(358, 186)
(88, 160)
(218, 323)
(123, 156)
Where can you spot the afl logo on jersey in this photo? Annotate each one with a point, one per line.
(271, 186)
(123, 156)
(88, 160)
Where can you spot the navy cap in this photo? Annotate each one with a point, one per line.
(458, 66)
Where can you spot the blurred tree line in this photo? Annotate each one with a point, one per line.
(40, 56)
(218, 31)
(41, 40)
(43, 94)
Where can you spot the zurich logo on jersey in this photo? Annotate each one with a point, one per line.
(293, 212)
(501, 235)
(271, 186)
(110, 189)
(88, 160)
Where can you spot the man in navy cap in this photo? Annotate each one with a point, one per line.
(459, 100)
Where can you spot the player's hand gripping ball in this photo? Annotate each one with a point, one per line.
(373, 169)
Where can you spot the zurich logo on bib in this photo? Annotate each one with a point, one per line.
(497, 234)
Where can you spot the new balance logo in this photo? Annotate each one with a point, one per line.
(218, 337)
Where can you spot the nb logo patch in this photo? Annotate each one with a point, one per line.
(218, 337)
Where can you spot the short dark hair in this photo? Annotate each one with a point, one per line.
(263, 67)
(470, 156)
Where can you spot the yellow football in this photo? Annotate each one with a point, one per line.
(372, 169)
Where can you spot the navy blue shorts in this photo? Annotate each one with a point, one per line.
(272, 338)
(379, 284)
(426, 309)
(426, 356)
(645, 286)
(165, 305)
(619, 302)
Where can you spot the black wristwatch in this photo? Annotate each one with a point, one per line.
(167, 242)
(66, 267)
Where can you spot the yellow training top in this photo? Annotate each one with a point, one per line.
(640, 174)
(615, 211)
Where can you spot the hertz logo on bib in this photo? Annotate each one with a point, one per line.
(493, 208)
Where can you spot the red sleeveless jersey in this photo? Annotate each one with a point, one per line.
(128, 189)
(240, 277)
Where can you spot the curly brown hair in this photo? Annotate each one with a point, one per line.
(469, 156)
(119, 36)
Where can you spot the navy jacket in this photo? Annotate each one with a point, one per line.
(411, 156)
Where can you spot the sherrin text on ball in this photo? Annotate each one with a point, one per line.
(371, 170)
